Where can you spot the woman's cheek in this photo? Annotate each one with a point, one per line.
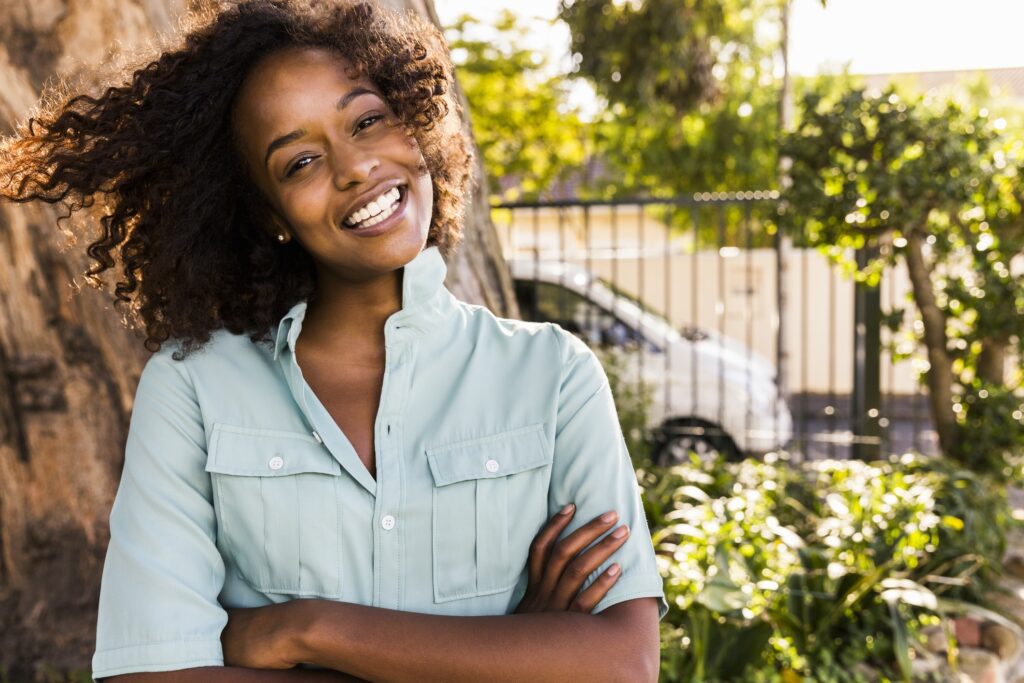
(307, 204)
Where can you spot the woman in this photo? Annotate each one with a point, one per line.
(333, 424)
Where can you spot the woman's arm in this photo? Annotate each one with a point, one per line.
(619, 644)
(331, 634)
(235, 674)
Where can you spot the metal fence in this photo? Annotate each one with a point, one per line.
(746, 343)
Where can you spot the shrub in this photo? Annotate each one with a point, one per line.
(823, 571)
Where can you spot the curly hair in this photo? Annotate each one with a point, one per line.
(179, 209)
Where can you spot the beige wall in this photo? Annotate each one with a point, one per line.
(733, 291)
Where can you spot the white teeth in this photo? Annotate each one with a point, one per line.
(376, 211)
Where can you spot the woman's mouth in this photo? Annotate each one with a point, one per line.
(377, 212)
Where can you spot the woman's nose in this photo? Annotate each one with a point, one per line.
(354, 166)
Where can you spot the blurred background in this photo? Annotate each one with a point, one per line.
(641, 143)
(793, 231)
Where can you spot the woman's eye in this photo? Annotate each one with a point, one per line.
(368, 121)
(298, 165)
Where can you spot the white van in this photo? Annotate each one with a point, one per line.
(710, 394)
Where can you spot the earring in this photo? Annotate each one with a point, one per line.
(281, 238)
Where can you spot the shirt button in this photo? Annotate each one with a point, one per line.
(491, 465)
(316, 435)
(388, 522)
(276, 463)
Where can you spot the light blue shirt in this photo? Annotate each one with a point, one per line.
(240, 490)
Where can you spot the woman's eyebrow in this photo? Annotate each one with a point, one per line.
(354, 93)
(279, 142)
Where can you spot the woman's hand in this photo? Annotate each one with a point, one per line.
(557, 571)
(261, 637)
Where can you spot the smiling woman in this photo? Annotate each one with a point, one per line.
(332, 462)
(160, 154)
(324, 146)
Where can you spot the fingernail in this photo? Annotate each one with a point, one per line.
(614, 570)
(609, 517)
(567, 509)
(621, 531)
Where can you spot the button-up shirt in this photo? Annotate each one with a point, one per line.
(240, 490)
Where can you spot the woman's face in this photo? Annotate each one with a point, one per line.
(350, 188)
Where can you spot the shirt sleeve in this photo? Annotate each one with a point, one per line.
(158, 607)
(592, 469)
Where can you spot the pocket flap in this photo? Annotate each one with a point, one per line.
(250, 452)
(489, 457)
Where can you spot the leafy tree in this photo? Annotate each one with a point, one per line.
(937, 185)
(692, 92)
(528, 136)
(676, 66)
(688, 92)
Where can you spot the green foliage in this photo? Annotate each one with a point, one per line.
(527, 135)
(696, 103)
(826, 571)
(676, 67)
(688, 100)
(886, 172)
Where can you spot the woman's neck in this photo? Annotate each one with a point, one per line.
(350, 316)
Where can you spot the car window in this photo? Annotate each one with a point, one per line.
(549, 302)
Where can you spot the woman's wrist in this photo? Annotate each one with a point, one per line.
(305, 628)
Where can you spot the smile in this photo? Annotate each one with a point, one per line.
(379, 209)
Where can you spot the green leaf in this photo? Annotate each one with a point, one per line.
(901, 644)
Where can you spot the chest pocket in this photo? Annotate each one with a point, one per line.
(489, 501)
(275, 496)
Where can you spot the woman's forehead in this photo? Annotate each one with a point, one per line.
(300, 72)
(291, 84)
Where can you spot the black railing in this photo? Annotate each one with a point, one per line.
(725, 334)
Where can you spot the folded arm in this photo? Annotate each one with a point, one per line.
(552, 634)
(377, 644)
(618, 644)
(234, 674)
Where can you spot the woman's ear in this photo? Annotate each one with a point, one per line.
(278, 228)
(262, 214)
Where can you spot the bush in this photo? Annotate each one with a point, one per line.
(819, 572)
(824, 571)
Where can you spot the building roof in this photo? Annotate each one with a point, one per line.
(1009, 79)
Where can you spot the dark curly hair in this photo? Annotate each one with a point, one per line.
(177, 207)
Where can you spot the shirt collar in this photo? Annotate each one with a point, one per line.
(423, 299)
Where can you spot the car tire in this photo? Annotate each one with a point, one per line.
(678, 439)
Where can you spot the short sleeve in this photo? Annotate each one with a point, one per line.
(158, 607)
(592, 469)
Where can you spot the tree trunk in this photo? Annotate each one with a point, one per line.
(992, 360)
(68, 368)
(940, 366)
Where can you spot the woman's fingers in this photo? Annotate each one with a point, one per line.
(540, 548)
(584, 564)
(557, 569)
(565, 551)
(587, 600)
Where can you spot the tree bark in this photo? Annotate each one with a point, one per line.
(940, 365)
(992, 360)
(68, 367)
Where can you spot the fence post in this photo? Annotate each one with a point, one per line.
(867, 349)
